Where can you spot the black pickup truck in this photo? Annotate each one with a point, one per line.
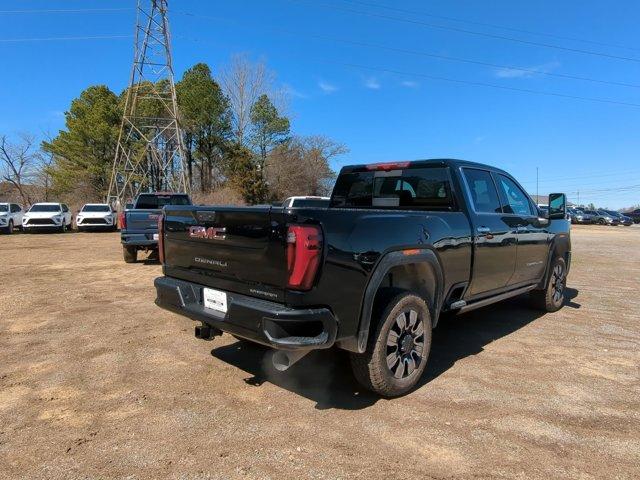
(399, 244)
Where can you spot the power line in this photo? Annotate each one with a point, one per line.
(49, 39)
(470, 32)
(607, 173)
(446, 79)
(64, 10)
(415, 52)
(483, 84)
(492, 25)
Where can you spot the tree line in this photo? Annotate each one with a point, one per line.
(239, 143)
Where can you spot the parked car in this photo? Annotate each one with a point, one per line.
(47, 216)
(634, 214)
(578, 216)
(139, 223)
(602, 218)
(306, 202)
(10, 217)
(96, 216)
(399, 244)
(622, 219)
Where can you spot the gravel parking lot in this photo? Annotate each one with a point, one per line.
(97, 382)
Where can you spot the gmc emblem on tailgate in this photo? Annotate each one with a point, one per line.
(212, 233)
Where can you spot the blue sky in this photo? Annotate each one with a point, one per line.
(391, 109)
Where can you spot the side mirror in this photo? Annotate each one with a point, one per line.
(557, 206)
(128, 206)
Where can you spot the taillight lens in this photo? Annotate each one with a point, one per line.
(161, 238)
(388, 166)
(122, 221)
(304, 251)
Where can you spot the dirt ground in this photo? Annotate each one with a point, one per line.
(97, 382)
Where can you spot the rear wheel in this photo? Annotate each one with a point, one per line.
(130, 254)
(552, 297)
(398, 350)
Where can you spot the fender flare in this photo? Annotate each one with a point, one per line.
(387, 262)
(560, 246)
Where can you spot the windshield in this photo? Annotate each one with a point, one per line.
(44, 208)
(96, 208)
(4, 208)
(153, 202)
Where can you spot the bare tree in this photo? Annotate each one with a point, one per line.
(19, 164)
(243, 82)
(301, 166)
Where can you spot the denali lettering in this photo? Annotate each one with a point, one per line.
(210, 261)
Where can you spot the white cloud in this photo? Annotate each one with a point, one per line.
(527, 71)
(372, 83)
(409, 84)
(292, 92)
(327, 87)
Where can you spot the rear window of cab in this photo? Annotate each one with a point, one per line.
(426, 188)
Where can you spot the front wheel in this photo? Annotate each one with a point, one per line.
(398, 350)
(552, 297)
(10, 227)
(63, 228)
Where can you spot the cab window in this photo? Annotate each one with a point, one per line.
(410, 188)
(513, 199)
(483, 191)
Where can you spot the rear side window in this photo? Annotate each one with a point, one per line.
(419, 188)
(152, 202)
(483, 191)
(514, 200)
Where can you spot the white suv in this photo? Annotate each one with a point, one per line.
(95, 216)
(43, 216)
(10, 217)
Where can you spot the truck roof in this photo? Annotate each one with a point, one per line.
(401, 164)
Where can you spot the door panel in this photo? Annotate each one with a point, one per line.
(495, 244)
(533, 235)
(495, 238)
(533, 251)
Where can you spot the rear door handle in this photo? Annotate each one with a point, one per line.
(483, 229)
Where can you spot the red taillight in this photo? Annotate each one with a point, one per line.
(304, 250)
(161, 238)
(388, 166)
(122, 221)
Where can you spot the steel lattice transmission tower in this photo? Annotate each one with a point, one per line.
(150, 152)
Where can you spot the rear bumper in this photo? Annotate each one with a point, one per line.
(138, 239)
(261, 321)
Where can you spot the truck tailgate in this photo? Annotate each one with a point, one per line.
(142, 220)
(240, 249)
